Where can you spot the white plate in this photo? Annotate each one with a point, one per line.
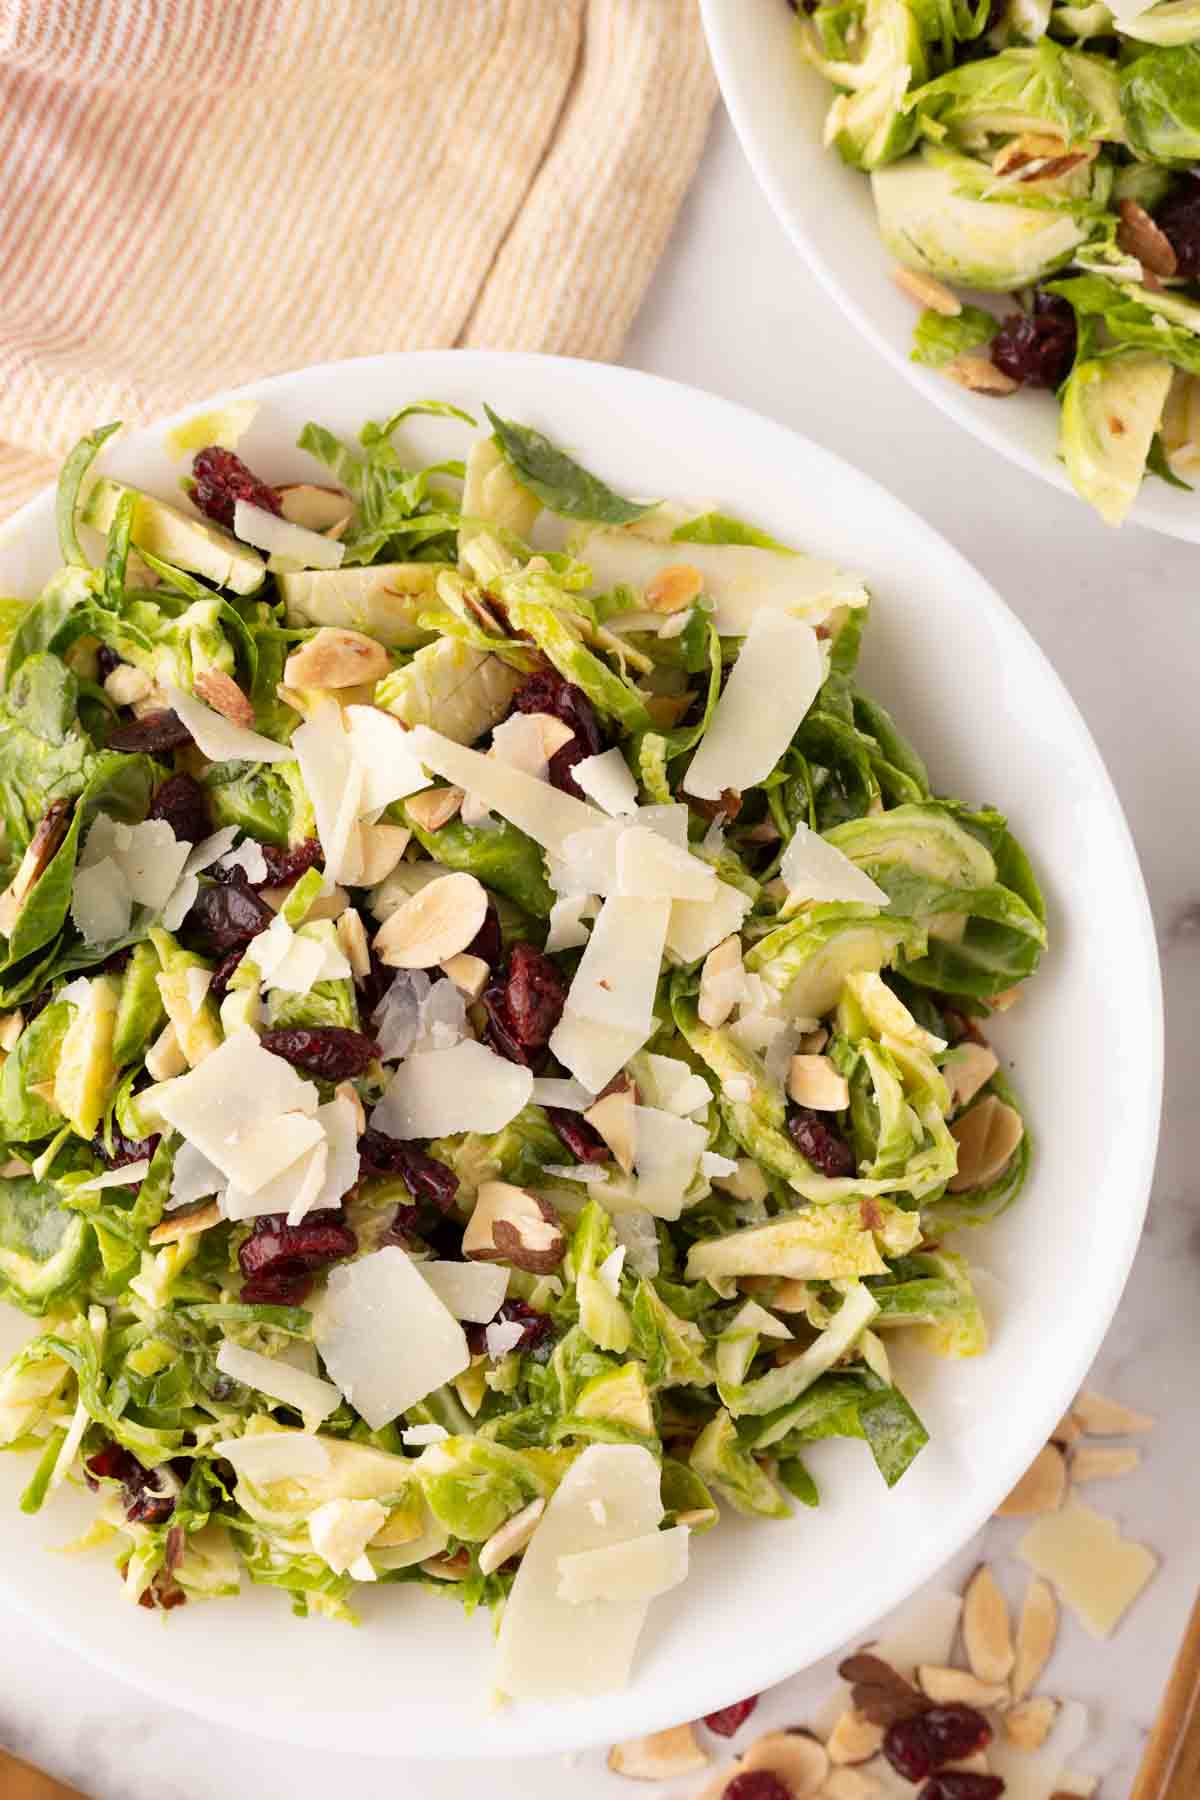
(778, 105)
(996, 724)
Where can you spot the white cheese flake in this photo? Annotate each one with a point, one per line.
(211, 849)
(219, 738)
(235, 1088)
(340, 1530)
(543, 812)
(666, 1157)
(280, 537)
(503, 1337)
(193, 1177)
(249, 858)
(772, 685)
(816, 872)
(465, 1088)
(267, 1456)
(334, 783)
(101, 903)
(469, 1290)
(570, 1096)
(698, 926)
(1097, 1572)
(313, 1398)
(384, 752)
(617, 977)
(262, 1151)
(567, 929)
(648, 867)
(635, 1571)
(385, 1337)
(128, 1175)
(417, 1436)
(674, 1085)
(608, 781)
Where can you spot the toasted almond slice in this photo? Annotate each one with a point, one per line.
(1036, 1631)
(510, 1225)
(335, 657)
(184, 1225)
(848, 1784)
(352, 940)
(987, 1636)
(949, 1687)
(975, 370)
(434, 807)
(666, 710)
(813, 1081)
(1101, 1417)
(926, 290)
(468, 973)
(125, 684)
(722, 982)
(1028, 1724)
(659, 1758)
(674, 587)
(222, 693)
(987, 1135)
(968, 1068)
(1067, 1431)
(346, 1090)
(437, 922)
(449, 1568)
(614, 1118)
(854, 1739)
(510, 1537)
(11, 1026)
(1005, 1000)
(1029, 146)
(165, 1058)
(1040, 1489)
(40, 851)
(316, 508)
(382, 847)
(1139, 236)
(799, 1760)
(1103, 1462)
(813, 1042)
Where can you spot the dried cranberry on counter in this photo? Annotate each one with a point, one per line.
(962, 1784)
(922, 1745)
(279, 1260)
(154, 733)
(582, 1140)
(728, 1719)
(221, 479)
(537, 1327)
(819, 1143)
(183, 803)
(1179, 218)
(331, 1052)
(286, 866)
(1037, 348)
(548, 692)
(226, 915)
(756, 1784)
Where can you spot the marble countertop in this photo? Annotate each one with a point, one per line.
(734, 310)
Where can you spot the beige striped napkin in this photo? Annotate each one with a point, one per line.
(194, 193)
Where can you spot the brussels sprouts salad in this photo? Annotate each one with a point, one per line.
(1044, 151)
(493, 1026)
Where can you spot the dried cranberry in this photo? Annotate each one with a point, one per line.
(548, 692)
(106, 661)
(537, 1327)
(141, 1492)
(582, 1140)
(535, 994)
(1038, 348)
(164, 1593)
(221, 479)
(822, 1146)
(286, 866)
(223, 973)
(424, 1176)
(278, 1259)
(183, 803)
(119, 960)
(919, 1746)
(153, 732)
(500, 1032)
(962, 1784)
(226, 915)
(125, 1150)
(332, 1052)
(488, 942)
(1179, 218)
(756, 1784)
(728, 1719)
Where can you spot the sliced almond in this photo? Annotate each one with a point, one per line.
(987, 1135)
(468, 973)
(801, 1762)
(722, 982)
(614, 1118)
(436, 923)
(510, 1537)
(1029, 1723)
(434, 807)
(659, 1758)
(382, 847)
(316, 508)
(1139, 236)
(352, 941)
(813, 1042)
(1101, 1417)
(975, 370)
(1037, 1630)
(40, 851)
(1029, 146)
(854, 1739)
(813, 1081)
(666, 710)
(848, 1784)
(335, 657)
(185, 1225)
(165, 1058)
(674, 587)
(511, 1225)
(1006, 999)
(449, 1568)
(968, 1068)
(950, 1687)
(346, 1090)
(11, 1026)
(222, 693)
(928, 291)
(987, 1635)
(125, 684)
(1067, 1431)
(1040, 1489)
(1100, 1462)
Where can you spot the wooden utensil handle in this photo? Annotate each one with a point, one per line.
(1171, 1766)
(20, 1781)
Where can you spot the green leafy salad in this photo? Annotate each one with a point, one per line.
(493, 1050)
(1046, 151)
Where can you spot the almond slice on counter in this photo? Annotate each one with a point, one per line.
(1101, 1417)
(854, 1739)
(1040, 1489)
(659, 1758)
(987, 1635)
(434, 924)
(952, 1687)
(1068, 1430)
(1102, 1462)
(1037, 1630)
(1029, 1723)
(800, 1761)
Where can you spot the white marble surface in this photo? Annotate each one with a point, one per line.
(734, 310)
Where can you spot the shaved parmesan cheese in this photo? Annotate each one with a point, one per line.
(673, 1085)
(340, 1530)
(520, 742)
(269, 1456)
(815, 871)
(384, 752)
(313, 1398)
(181, 903)
(713, 1167)
(503, 1337)
(249, 858)
(468, 1290)
(617, 977)
(1097, 1572)
(153, 862)
(665, 1159)
(567, 929)
(196, 983)
(639, 1569)
(101, 903)
(126, 1176)
(279, 537)
(288, 959)
(698, 926)
(338, 1119)
(193, 1177)
(594, 1052)
(236, 1086)
(260, 1152)
(589, 858)
(637, 1232)
(219, 738)
(651, 868)
(541, 811)
(465, 1088)
(549, 1090)
(607, 780)
(334, 782)
(397, 1018)
(385, 1337)
(773, 683)
(417, 1436)
(211, 849)
(609, 1271)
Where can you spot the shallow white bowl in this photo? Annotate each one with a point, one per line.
(778, 105)
(996, 724)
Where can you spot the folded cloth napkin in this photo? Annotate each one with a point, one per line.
(200, 192)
